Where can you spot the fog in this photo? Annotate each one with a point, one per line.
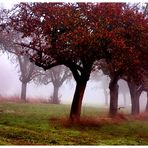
(94, 95)
(10, 86)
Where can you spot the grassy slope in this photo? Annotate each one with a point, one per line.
(30, 124)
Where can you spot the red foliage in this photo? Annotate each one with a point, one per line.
(72, 31)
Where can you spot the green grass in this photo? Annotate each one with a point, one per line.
(31, 124)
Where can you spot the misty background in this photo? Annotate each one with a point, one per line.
(10, 84)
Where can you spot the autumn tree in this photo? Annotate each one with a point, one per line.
(131, 40)
(134, 33)
(64, 34)
(59, 36)
(137, 88)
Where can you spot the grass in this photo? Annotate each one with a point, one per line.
(45, 124)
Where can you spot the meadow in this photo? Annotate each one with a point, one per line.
(48, 124)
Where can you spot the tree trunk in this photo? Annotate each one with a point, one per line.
(77, 101)
(55, 97)
(135, 95)
(113, 87)
(23, 91)
(113, 100)
(106, 97)
(146, 110)
(135, 104)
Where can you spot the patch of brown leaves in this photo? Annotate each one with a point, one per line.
(98, 121)
(90, 121)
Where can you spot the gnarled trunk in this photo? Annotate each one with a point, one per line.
(135, 93)
(23, 91)
(146, 110)
(77, 101)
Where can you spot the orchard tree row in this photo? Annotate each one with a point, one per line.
(86, 37)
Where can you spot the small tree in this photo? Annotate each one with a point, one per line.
(28, 71)
(99, 76)
(57, 76)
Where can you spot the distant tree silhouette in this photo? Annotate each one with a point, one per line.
(56, 76)
(27, 70)
(123, 87)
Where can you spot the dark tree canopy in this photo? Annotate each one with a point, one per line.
(62, 33)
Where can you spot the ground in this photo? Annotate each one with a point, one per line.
(46, 124)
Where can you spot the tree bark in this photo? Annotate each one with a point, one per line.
(113, 87)
(146, 110)
(55, 97)
(77, 101)
(135, 95)
(113, 100)
(23, 91)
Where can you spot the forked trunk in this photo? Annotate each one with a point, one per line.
(77, 101)
(113, 100)
(23, 91)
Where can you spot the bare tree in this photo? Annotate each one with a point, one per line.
(56, 76)
(123, 88)
(99, 76)
(27, 70)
